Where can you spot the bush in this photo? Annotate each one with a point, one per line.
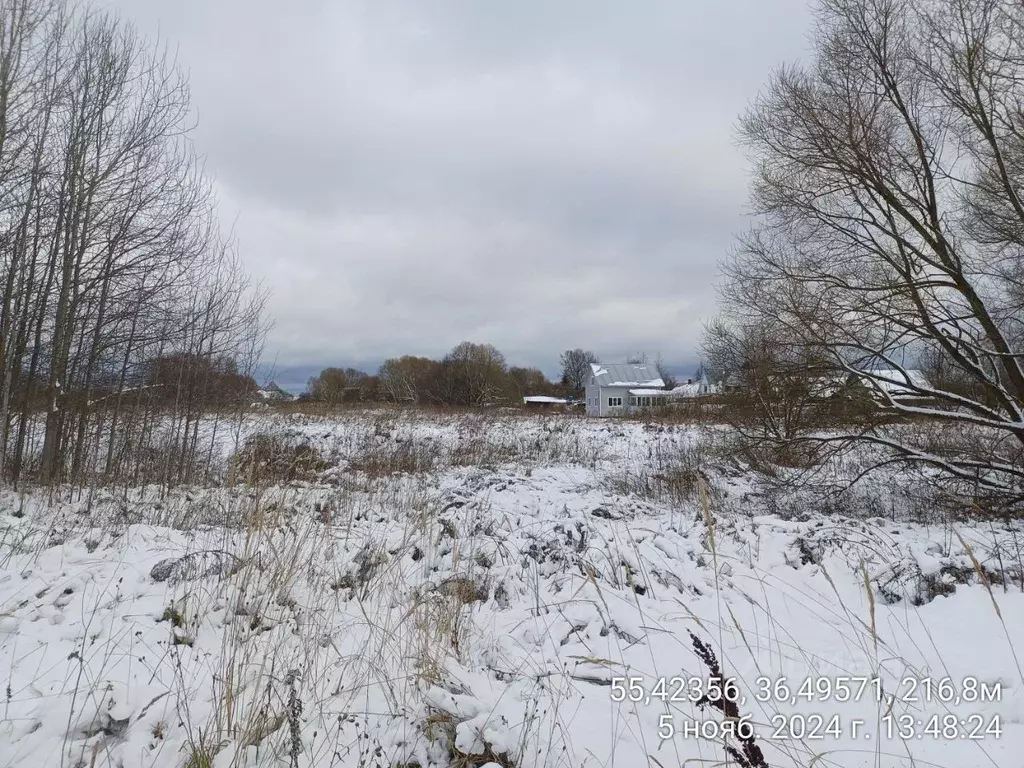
(271, 459)
(382, 459)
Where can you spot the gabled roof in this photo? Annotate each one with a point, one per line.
(693, 389)
(900, 384)
(626, 375)
(273, 392)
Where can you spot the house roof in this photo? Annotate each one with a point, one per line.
(272, 390)
(272, 394)
(648, 392)
(825, 386)
(694, 389)
(626, 375)
(900, 384)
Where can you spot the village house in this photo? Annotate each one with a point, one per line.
(272, 393)
(700, 387)
(885, 384)
(615, 389)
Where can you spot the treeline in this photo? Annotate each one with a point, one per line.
(118, 296)
(469, 375)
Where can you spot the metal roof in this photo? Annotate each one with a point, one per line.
(900, 384)
(626, 375)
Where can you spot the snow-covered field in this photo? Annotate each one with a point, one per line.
(490, 604)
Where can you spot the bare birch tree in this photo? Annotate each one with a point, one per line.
(110, 256)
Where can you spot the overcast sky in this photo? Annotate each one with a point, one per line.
(539, 175)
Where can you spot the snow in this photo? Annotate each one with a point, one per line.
(687, 390)
(626, 375)
(654, 392)
(695, 389)
(544, 399)
(483, 609)
(898, 384)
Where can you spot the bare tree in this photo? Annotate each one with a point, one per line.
(888, 178)
(407, 379)
(771, 395)
(337, 385)
(522, 382)
(110, 256)
(471, 374)
(576, 368)
(663, 372)
(331, 385)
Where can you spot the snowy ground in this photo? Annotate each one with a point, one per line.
(490, 606)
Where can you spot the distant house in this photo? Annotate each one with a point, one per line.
(884, 383)
(272, 393)
(544, 401)
(826, 387)
(731, 383)
(619, 388)
(699, 388)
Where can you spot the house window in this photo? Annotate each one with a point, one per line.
(632, 401)
(614, 402)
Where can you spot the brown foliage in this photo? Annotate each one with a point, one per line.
(270, 459)
(201, 378)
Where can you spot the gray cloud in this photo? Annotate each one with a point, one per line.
(537, 175)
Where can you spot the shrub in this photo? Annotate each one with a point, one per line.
(386, 458)
(271, 459)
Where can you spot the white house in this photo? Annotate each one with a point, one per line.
(699, 388)
(272, 393)
(619, 388)
(886, 383)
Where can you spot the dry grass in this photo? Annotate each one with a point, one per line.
(674, 472)
(684, 411)
(268, 459)
(379, 459)
(365, 551)
(440, 727)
